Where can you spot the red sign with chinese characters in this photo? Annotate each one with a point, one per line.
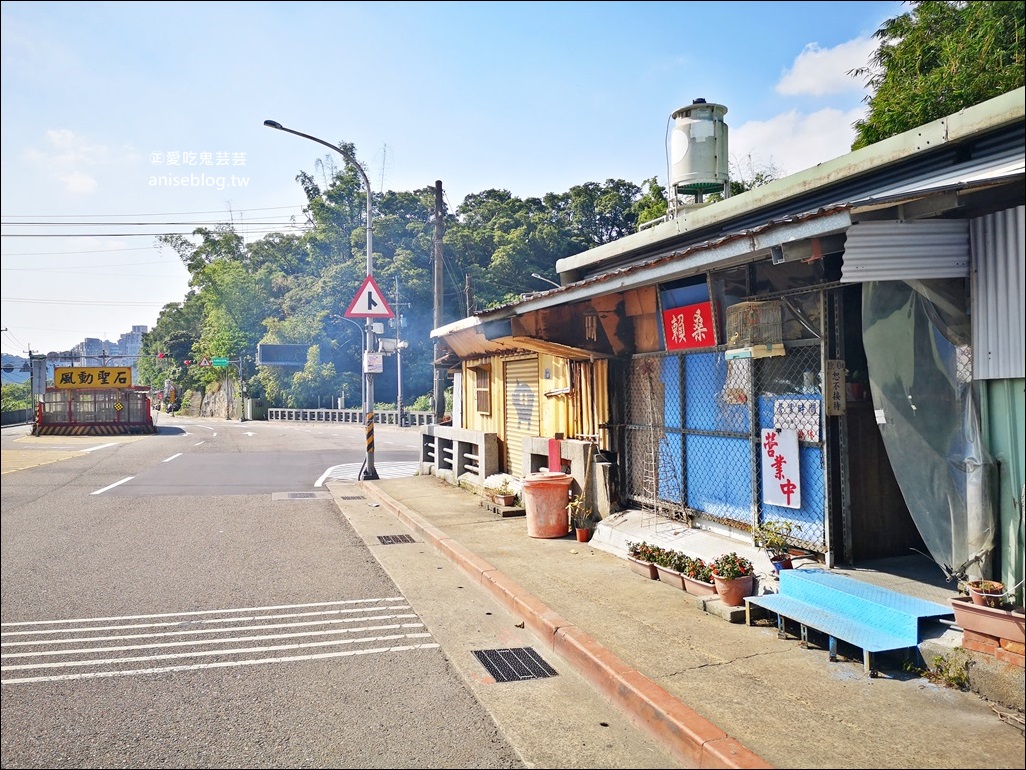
(690, 326)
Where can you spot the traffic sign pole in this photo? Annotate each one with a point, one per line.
(368, 472)
(369, 303)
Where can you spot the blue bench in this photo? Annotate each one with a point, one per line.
(866, 616)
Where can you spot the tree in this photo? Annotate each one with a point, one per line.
(16, 395)
(938, 59)
(652, 204)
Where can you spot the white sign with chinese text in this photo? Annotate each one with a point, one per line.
(801, 415)
(781, 479)
(834, 393)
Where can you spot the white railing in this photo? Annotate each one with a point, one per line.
(381, 417)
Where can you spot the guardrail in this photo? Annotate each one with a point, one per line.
(382, 417)
(17, 416)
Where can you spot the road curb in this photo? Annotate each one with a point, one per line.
(694, 739)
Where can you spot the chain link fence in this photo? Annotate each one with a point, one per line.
(694, 433)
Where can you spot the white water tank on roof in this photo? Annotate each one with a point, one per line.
(698, 149)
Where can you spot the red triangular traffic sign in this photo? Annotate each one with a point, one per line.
(369, 302)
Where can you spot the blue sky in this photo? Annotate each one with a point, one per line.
(106, 105)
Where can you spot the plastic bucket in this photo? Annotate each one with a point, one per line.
(546, 496)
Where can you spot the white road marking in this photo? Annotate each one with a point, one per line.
(223, 664)
(115, 484)
(101, 446)
(351, 471)
(172, 457)
(375, 626)
(203, 612)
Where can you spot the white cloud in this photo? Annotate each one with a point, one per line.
(70, 158)
(64, 148)
(78, 183)
(821, 71)
(792, 141)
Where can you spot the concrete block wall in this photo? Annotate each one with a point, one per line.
(458, 451)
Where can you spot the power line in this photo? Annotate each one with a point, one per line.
(118, 235)
(214, 222)
(164, 214)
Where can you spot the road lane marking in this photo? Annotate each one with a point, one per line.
(223, 664)
(111, 486)
(172, 457)
(193, 642)
(209, 653)
(392, 627)
(198, 613)
(351, 471)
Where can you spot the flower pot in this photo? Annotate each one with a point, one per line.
(670, 576)
(733, 591)
(644, 568)
(583, 534)
(698, 587)
(986, 593)
(506, 500)
(781, 562)
(999, 623)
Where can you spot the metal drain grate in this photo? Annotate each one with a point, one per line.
(301, 495)
(352, 497)
(515, 664)
(393, 539)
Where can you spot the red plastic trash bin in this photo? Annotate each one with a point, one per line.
(546, 495)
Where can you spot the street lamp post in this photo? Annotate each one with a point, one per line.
(369, 471)
(363, 346)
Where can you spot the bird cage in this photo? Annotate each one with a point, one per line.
(750, 324)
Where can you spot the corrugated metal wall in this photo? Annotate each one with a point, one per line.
(997, 297)
(521, 394)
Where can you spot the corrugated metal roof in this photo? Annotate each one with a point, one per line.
(804, 207)
(988, 132)
(980, 173)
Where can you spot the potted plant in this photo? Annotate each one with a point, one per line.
(990, 611)
(987, 593)
(642, 556)
(734, 577)
(504, 494)
(580, 518)
(670, 565)
(697, 576)
(772, 536)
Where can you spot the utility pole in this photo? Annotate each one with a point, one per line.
(399, 345)
(439, 392)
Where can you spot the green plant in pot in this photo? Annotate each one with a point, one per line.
(730, 566)
(988, 593)
(772, 536)
(643, 551)
(581, 518)
(504, 494)
(734, 577)
(696, 568)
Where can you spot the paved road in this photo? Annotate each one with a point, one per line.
(200, 598)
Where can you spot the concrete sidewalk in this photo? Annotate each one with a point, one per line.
(715, 693)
